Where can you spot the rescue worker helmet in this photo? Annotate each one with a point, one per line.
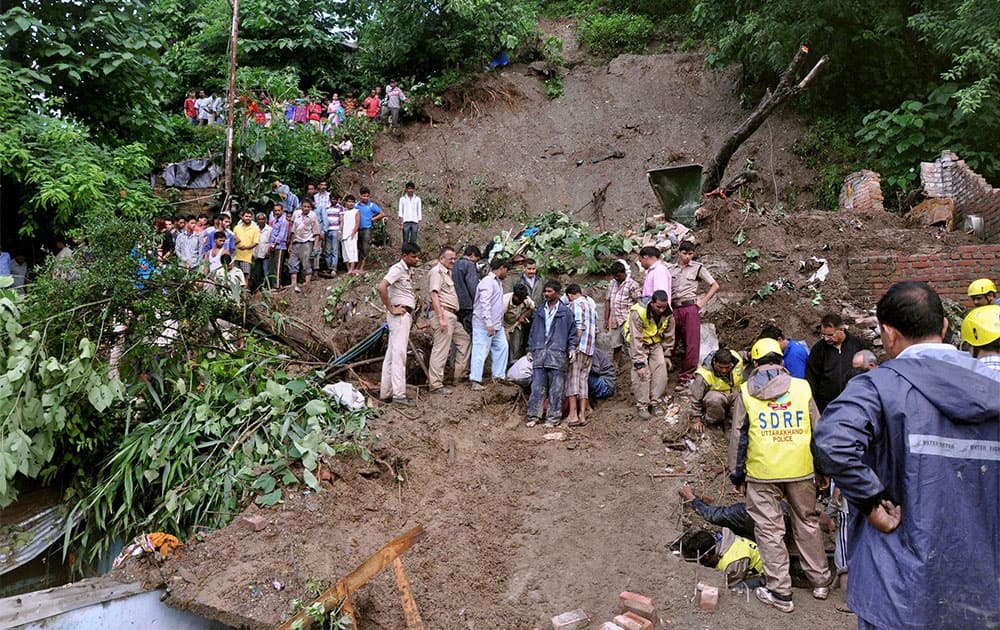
(764, 347)
(982, 286)
(981, 326)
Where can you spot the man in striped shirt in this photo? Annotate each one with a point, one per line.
(330, 224)
(585, 315)
(623, 293)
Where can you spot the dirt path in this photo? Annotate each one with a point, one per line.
(519, 528)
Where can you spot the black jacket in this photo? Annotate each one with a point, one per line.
(829, 369)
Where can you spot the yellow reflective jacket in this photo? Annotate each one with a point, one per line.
(652, 333)
(780, 433)
(718, 384)
(742, 548)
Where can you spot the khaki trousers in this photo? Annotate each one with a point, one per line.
(443, 341)
(649, 391)
(764, 506)
(394, 365)
(718, 407)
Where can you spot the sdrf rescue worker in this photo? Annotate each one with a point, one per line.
(713, 388)
(983, 292)
(734, 555)
(649, 333)
(771, 458)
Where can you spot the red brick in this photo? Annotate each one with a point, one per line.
(632, 621)
(638, 604)
(255, 523)
(708, 597)
(572, 620)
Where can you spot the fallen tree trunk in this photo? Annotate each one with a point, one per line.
(298, 335)
(784, 90)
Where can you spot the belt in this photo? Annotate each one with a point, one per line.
(450, 310)
(685, 303)
(408, 309)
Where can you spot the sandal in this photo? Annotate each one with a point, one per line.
(577, 423)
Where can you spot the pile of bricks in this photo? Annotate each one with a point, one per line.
(862, 191)
(637, 613)
(948, 177)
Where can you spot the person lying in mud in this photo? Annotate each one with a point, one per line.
(734, 555)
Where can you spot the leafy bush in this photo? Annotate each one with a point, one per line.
(561, 245)
(897, 141)
(829, 146)
(614, 34)
(208, 439)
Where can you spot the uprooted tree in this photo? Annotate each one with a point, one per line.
(785, 89)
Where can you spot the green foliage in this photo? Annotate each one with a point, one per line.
(207, 439)
(48, 400)
(106, 69)
(967, 32)
(62, 171)
(404, 38)
(560, 245)
(829, 146)
(897, 141)
(333, 294)
(302, 37)
(750, 264)
(552, 54)
(763, 37)
(614, 34)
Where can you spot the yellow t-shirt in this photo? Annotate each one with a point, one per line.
(246, 235)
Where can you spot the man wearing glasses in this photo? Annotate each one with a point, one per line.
(830, 361)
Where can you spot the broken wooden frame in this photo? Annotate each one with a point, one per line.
(339, 595)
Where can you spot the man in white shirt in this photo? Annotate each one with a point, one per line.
(410, 213)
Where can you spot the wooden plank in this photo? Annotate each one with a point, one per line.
(339, 592)
(410, 612)
(40, 605)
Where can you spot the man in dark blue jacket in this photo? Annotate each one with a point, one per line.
(551, 347)
(914, 446)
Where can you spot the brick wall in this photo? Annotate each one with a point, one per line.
(948, 272)
(187, 200)
(950, 178)
(862, 191)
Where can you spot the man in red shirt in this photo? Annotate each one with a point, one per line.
(189, 108)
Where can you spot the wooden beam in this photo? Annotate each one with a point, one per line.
(339, 593)
(410, 612)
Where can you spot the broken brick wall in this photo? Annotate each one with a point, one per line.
(862, 191)
(950, 178)
(948, 272)
(185, 201)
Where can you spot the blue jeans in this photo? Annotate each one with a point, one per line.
(547, 383)
(410, 232)
(332, 250)
(495, 346)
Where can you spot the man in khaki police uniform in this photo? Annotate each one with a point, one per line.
(447, 329)
(685, 276)
(649, 333)
(396, 291)
(771, 459)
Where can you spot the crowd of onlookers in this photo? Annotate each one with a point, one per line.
(323, 114)
(301, 236)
